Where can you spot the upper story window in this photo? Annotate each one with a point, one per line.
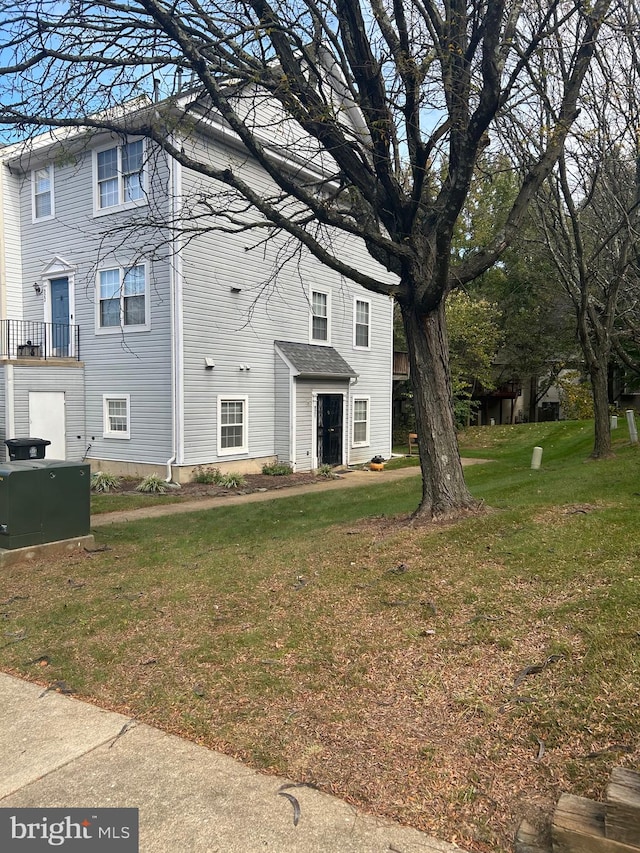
(122, 298)
(120, 176)
(362, 324)
(42, 193)
(320, 316)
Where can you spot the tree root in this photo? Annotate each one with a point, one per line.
(426, 515)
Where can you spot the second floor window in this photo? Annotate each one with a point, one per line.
(319, 316)
(122, 297)
(120, 175)
(42, 192)
(361, 325)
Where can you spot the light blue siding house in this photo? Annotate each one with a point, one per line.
(144, 348)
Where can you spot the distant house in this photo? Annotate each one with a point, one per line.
(142, 349)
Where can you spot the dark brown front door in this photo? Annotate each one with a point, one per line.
(329, 429)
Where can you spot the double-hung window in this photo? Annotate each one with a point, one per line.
(232, 425)
(120, 176)
(42, 197)
(116, 415)
(320, 316)
(362, 324)
(361, 422)
(122, 298)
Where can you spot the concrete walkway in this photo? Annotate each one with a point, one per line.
(344, 481)
(348, 480)
(58, 752)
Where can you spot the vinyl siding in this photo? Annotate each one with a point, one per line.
(283, 402)
(52, 377)
(239, 328)
(235, 330)
(132, 362)
(11, 265)
(306, 394)
(3, 413)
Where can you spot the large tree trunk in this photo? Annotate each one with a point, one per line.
(600, 389)
(444, 491)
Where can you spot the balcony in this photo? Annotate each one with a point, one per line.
(32, 339)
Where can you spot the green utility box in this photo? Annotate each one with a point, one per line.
(43, 501)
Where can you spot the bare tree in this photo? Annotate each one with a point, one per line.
(395, 98)
(590, 218)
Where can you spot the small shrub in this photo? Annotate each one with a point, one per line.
(206, 475)
(153, 484)
(232, 481)
(103, 482)
(327, 472)
(277, 469)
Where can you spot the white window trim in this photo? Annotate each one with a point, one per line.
(122, 205)
(233, 398)
(120, 328)
(106, 432)
(355, 304)
(49, 167)
(312, 340)
(367, 441)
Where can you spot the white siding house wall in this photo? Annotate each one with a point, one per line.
(3, 409)
(132, 362)
(240, 294)
(52, 377)
(283, 404)
(307, 391)
(213, 316)
(10, 262)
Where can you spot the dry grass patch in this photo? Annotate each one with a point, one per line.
(456, 678)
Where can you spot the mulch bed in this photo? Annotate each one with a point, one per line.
(254, 483)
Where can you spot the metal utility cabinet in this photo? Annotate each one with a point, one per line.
(43, 501)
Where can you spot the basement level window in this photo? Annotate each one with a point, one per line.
(116, 416)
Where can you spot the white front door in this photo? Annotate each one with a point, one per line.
(46, 420)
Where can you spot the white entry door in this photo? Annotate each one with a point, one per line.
(46, 420)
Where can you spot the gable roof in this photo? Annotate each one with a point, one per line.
(312, 360)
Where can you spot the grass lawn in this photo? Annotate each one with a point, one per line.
(321, 638)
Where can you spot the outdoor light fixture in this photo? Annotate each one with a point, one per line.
(37, 288)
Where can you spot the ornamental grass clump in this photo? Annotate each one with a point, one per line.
(326, 471)
(232, 481)
(103, 482)
(153, 484)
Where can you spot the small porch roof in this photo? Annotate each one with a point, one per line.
(310, 360)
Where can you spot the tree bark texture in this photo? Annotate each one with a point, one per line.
(602, 447)
(444, 491)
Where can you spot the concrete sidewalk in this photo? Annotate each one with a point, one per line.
(348, 480)
(60, 752)
(344, 481)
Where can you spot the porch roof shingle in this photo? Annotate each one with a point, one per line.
(313, 360)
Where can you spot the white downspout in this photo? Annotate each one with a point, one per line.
(9, 412)
(175, 275)
(3, 265)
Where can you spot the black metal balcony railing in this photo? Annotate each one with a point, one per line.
(32, 339)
